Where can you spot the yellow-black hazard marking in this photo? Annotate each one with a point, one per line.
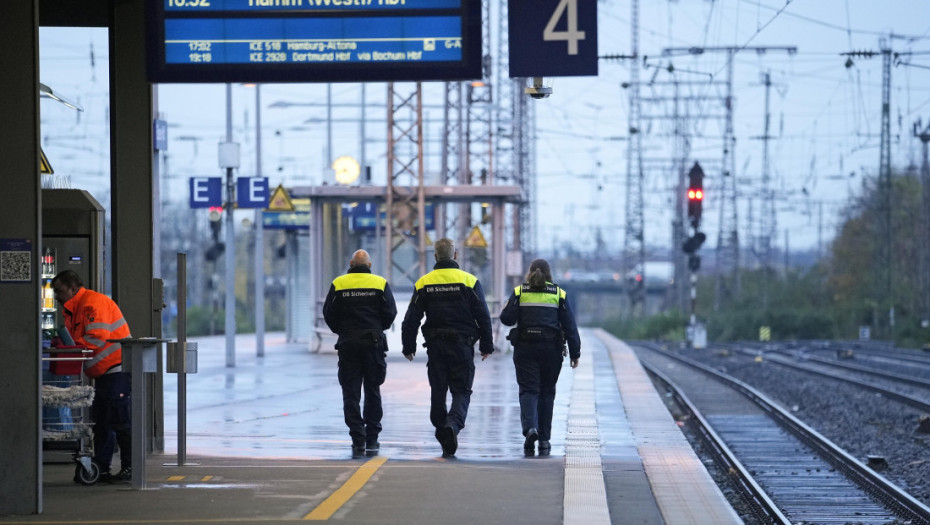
(476, 239)
(44, 166)
(182, 478)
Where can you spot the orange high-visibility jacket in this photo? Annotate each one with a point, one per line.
(92, 318)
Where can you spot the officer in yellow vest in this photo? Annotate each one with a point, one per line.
(456, 317)
(358, 308)
(545, 324)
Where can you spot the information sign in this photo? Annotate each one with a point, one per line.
(313, 40)
(252, 192)
(362, 216)
(206, 192)
(299, 219)
(552, 38)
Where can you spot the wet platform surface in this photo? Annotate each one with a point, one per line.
(288, 405)
(266, 443)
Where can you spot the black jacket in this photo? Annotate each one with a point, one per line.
(452, 300)
(546, 309)
(359, 302)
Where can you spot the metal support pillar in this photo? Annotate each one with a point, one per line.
(229, 164)
(498, 254)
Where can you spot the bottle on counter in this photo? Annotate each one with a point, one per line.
(48, 296)
(48, 262)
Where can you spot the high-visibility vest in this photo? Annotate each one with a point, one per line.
(539, 308)
(92, 318)
(446, 296)
(359, 281)
(444, 276)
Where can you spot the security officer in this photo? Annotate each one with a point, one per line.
(92, 319)
(358, 308)
(545, 323)
(456, 317)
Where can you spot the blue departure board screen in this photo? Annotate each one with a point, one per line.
(313, 40)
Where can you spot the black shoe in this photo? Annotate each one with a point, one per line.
(529, 445)
(123, 476)
(544, 448)
(372, 446)
(448, 441)
(358, 448)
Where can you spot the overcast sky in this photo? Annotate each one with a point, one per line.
(826, 116)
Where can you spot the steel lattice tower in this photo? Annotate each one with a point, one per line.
(634, 246)
(453, 152)
(727, 280)
(884, 180)
(525, 170)
(767, 217)
(509, 142)
(405, 203)
(882, 287)
(924, 252)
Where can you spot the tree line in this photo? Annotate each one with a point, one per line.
(855, 284)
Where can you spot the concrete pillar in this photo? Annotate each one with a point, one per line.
(20, 232)
(134, 191)
(132, 179)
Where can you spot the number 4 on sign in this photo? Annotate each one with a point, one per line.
(571, 34)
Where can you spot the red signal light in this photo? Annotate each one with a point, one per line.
(695, 194)
(216, 213)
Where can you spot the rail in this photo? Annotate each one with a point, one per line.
(905, 505)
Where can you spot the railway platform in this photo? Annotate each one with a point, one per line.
(266, 443)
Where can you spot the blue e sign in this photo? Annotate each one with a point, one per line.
(206, 192)
(252, 192)
(552, 38)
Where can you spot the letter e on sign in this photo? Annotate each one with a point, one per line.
(552, 38)
(206, 192)
(252, 192)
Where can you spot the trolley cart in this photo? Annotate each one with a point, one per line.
(66, 400)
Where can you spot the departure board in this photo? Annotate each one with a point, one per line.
(313, 40)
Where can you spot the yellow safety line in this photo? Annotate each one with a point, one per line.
(348, 489)
(176, 478)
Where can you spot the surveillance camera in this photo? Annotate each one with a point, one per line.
(538, 92)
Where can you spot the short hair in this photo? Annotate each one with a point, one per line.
(360, 258)
(445, 249)
(539, 274)
(69, 278)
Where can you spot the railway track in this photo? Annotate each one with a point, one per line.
(785, 470)
(909, 390)
(895, 367)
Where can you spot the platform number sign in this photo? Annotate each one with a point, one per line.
(552, 38)
(571, 34)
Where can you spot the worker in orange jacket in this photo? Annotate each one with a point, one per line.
(92, 318)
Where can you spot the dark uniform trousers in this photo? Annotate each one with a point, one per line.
(111, 411)
(450, 367)
(362, 364)
(538, 366)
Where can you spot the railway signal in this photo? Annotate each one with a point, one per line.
(694, 242)
(216, 221)
(695, 195)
